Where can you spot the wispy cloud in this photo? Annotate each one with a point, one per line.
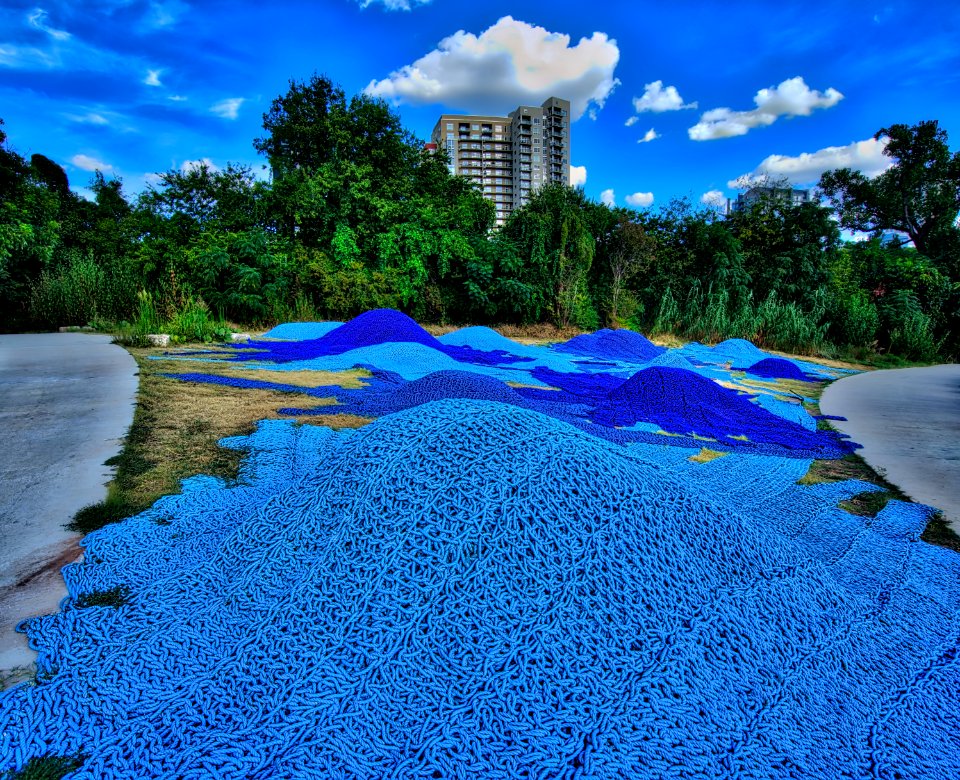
(90, 118)
(650, 135)
(393, 5)
(228, 108)
(87, 163)
(152, 79)
(790, 98)
(163, 13)
(511, 63)
(37, 19)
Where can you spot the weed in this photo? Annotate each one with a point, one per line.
(46, 768)
(114, 597)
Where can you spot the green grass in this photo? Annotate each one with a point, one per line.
(114, 597)
(45, 768)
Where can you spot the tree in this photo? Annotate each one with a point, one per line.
(919, 195)
(630, 251)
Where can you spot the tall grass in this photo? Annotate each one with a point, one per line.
(81, 292)
(193, 322)
(712, 315)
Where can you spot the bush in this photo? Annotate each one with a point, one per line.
(854, 319)
(70, 295)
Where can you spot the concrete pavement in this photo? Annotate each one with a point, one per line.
(908, 421)
(66, 402)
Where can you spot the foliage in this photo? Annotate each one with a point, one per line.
(359, 215)
(919, 195)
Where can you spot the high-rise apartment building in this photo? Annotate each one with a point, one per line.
(511, 156)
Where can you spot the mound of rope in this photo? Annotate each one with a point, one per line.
(370, 329)
(778, 368)
(470, 589)
(684, 402)
(619, 345)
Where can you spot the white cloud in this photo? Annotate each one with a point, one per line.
(25, 57)
(608, 198)
(639, 199)
(511, 63)
(864, 156)
(714, 199)
(87, 163)
(163, 13)
(176, 98)
(152, 78)
(650, 135)
(152, 179)
(195, 165)
(37, 19)
(90, 118)
(228, 108)
(578, 175)
(632, 121)
(394, 5)
(791, 97)
(658, 99)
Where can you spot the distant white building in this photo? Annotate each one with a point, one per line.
(789, 197)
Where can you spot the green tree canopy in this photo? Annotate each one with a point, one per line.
(919, 194)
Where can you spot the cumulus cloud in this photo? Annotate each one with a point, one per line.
(632, 121)
(864, 156)
(37, 19)
(658, 98)
(152, 78)
(511, 63)
(650, 135)
(394, 5)
(87, 163)
(715, 199)
(196, 165)
(608, 198)
(639, 199)
(578, 175)
(790, 98)
(228, 108)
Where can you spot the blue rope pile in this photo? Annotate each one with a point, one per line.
(301, 331)
(684, 402)
(472, 589)
(370, 329)
(620, 345)
(778, 368)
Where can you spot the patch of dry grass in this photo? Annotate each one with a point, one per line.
(177, 425)
(706, 455)
(352, 379)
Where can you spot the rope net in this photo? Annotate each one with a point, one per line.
(485, 583)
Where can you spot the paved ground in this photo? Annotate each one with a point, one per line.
(908, 421)
(66, 401)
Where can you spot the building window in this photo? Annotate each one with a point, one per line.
(449, 125)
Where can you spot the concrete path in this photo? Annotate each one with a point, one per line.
(66, 402)
(908, 421)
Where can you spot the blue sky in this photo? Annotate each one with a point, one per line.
(674, 99)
